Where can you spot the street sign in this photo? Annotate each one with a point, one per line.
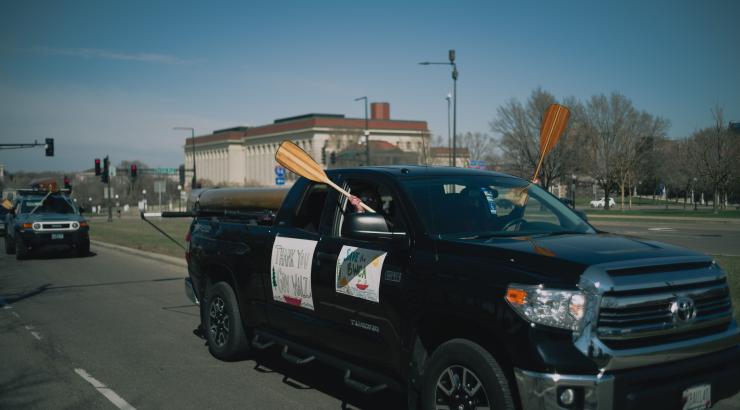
(112, 171)
(279, 181)
(279, 172)
(160, 187)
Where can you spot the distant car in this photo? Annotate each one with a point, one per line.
(37, 221)
(600, 203)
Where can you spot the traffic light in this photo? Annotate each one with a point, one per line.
(323, 155)
(181, 171)
(133, 171)
(67, 185)
(106, 171)
(97, 166)
(49, 147)
(333, 157)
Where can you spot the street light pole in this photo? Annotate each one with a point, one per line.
(192, 143)
(449, 130)
(367, 133)
(451, 56)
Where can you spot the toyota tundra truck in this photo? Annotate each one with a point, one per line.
(465, 289)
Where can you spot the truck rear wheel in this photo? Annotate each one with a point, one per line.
(21, 250)
(225, 333)
(463, 375)
(9, 245)
(83, 249)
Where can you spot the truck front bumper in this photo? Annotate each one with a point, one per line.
(651, 387)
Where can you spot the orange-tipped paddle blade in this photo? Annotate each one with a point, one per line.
(297, 160)
(556, 119)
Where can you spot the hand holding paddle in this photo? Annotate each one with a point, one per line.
(297, 160)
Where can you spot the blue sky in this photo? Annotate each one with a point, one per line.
(115, 77)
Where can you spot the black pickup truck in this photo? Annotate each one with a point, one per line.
(467, 289)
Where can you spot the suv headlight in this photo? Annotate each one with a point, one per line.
(563, 309)
(36, 226)
(75, 225)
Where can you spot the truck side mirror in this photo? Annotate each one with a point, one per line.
(365, 226)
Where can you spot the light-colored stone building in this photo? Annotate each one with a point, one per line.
(246, 155)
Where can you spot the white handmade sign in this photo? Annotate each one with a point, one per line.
(290, 271)
(358, 272)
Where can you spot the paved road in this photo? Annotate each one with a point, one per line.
(711, 237)
(114, 330)
(124, 321)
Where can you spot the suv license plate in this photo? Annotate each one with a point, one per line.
(697, 397)
(61, 236)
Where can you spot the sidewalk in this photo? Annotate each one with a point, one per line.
(149, 255)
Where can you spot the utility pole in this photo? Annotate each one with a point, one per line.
(110, 200)
(192, 143)
(451, 57)
(367, 133)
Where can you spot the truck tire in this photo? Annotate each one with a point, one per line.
(225, 333)
(462, 375)
(21, 250)
(83, 249)
(9, 245)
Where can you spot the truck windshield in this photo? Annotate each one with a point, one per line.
(476, 207)
(52, 204)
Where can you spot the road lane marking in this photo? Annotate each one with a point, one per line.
(661, 229)
(105, 391)
(15, 314)
(36, 335)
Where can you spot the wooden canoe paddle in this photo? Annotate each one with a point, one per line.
(556, 119)
(291, 156)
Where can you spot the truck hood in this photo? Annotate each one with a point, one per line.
(49, 217)
(565, 257)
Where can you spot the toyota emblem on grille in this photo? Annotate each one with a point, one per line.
(683, 310)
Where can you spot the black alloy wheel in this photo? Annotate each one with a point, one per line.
(462, 375)
(225, 334)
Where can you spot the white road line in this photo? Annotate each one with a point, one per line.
(661, 229)
(36, 335)
(15, 314)
(105, 391)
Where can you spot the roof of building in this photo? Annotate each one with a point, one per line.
(445, 151)
(375, 146)
(285, 125)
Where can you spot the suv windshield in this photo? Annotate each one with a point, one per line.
(52, 204)
(475, 207)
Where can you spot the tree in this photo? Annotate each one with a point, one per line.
(519, 128)
(480, 145)
(714, 152)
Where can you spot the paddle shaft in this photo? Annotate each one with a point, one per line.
(347, 194)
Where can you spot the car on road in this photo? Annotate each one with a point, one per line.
(41, 219)
(601, 202)
(3, 215)
(465, 289)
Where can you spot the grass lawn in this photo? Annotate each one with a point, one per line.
(135, 233)
(731, 265)
(678, 213)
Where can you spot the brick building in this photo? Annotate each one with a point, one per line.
(245, 155)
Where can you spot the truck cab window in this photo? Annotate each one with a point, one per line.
(377, 197)
(308, 215)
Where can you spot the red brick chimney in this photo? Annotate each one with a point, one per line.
(380, 111)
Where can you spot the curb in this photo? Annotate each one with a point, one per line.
(149, 255)
(664, 218)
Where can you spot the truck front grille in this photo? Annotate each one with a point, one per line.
(642, 317)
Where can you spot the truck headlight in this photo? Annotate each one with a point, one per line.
(550, 307)
(75, 225)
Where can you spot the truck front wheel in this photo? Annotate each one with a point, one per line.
(225, 333)
(463, 375)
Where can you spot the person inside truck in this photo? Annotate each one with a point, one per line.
(370, 197)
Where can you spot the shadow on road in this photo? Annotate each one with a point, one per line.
(325, 379)
(57, 252)
(125, 282)
(20, 391)
(17, 297)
